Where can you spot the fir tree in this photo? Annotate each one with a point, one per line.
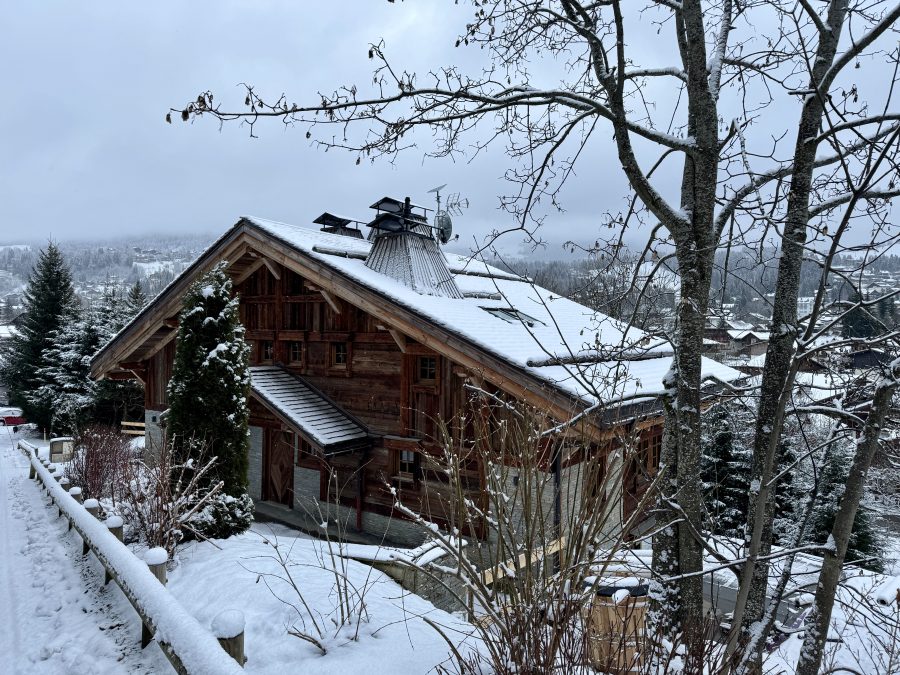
(787, 495)
(858, 322)
(886, 312)
(9, 312)
(864, 541)
(725, 472)
(136, 299)
(208, 412)
(48, 299)
(67, 389)
(115, 400)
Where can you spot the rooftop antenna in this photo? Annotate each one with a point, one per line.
(443, 224)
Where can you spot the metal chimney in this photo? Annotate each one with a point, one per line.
(404, 248)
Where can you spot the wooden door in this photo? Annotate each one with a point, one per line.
(279, 474)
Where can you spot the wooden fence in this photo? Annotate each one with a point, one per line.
(133, 428)
(190, 647)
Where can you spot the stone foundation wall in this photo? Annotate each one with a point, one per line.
(395, 531)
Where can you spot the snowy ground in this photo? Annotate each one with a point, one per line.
(391, 636)
(57, 617)
(55, 614)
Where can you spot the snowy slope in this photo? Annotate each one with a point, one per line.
(56, 617)
(392, 637)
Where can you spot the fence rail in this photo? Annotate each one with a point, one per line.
(134, 428)
(190, 647)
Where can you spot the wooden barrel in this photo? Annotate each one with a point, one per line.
(616, 633)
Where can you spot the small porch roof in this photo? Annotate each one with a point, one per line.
(302, 406)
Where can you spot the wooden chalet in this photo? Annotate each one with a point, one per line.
(361, 346)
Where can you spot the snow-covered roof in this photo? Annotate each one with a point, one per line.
(510, 317)
(757, 362)
(304, 407)
(761, 336)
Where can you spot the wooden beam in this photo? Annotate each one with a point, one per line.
(332, 302)
(236, 253)
(399, 338)
(137, 368)
(242, 277)
(171, 335)
(273, 270)
(171, 322)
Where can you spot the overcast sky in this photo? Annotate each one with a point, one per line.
(87, 86)
(89, 155)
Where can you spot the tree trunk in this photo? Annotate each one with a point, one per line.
(818, 621)
(778, 374)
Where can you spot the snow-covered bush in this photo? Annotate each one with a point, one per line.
(100, 465)
(160, 499)
(222, 516)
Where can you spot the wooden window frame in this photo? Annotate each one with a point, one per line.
(403, 476)
(302, 449)
(334, 350)
(292, 344)
(262, 346)
(650, 449)
(431, 369)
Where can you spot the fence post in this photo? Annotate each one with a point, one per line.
(31, 472)
(116, 526)
(92, 506)
(64, 483)
(228, 627)
(46, 464)
(77, 495)
(156, 559)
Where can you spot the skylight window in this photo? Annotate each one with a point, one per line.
(511, 315)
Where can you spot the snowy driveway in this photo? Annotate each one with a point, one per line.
(56, 617)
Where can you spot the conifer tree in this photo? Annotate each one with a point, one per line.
(858, 322)
(787, 495)
(137, 298)
(208, 413)
(115, 400)
(725, 471)
(67, 389)
(864, 541)
(48, 298)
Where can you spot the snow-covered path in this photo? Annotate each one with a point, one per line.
(56, 617)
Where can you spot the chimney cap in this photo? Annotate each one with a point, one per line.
(331, 220)
(391, 205)
(333, 224)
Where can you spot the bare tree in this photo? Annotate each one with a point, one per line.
(703, 97)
